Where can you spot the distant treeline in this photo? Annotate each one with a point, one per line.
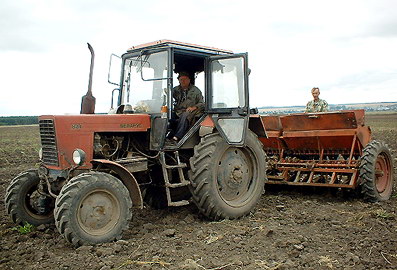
(18, 120)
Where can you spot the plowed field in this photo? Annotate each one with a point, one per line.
(289, 229)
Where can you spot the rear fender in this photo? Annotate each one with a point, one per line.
(207, 126)
(126, 177)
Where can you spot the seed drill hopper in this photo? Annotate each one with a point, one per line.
(332, 149)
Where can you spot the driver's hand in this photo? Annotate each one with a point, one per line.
(191, 109)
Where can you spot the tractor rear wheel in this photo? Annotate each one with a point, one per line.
(376, 172)
(227, 181)
(92, 208)
(25, 204)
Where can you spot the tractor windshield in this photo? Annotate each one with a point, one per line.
(145, 82)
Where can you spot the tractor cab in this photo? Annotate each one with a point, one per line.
(149, 73)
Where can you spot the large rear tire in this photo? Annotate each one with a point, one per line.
(93, 208)
(227, 181)
(376, 172)
(25, 204)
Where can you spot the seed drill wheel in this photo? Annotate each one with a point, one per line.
(376, 171)
(25, 204)
(92, 208)
(227, 181)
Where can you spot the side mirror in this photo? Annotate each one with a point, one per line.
(114, 69)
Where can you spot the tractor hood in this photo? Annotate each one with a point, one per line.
(62, 134)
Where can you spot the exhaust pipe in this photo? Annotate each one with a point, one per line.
(88, 100)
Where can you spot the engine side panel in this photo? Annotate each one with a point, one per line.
(77, 131)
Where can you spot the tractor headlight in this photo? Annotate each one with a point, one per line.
(41, 153)
(78, 156)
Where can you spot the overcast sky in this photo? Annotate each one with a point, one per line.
(346, 48)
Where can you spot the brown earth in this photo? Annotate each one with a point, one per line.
(289, 229)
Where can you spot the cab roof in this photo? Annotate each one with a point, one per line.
(176, 44)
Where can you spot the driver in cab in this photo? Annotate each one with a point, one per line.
(188, 103)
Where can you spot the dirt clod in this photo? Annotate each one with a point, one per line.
(169, 232)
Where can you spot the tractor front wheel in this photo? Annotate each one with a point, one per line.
(376, 172)
(24, 203)
(227, 181)
(93, 208)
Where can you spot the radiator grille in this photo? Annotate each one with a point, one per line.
(48, 142)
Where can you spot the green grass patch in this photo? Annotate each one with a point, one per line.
(25, 229)
(383, 214)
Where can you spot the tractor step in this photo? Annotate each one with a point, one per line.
(178, 181)
(176, 185)
(181, 165)
(179, 203)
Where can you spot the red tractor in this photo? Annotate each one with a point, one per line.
(95, 167)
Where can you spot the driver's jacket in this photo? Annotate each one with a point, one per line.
(189, 98)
